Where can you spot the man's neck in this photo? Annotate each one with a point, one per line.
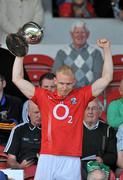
(90, 125)
(79, 46)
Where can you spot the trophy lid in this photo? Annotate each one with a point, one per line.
(32, 32)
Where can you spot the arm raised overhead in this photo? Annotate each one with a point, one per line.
(107, 74)
(23, 85)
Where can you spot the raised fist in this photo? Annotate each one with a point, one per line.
(103, 43)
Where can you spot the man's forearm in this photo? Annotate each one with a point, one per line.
(18, 72)
(108, 65)
(25, 86)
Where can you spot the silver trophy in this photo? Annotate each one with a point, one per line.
(18, 43)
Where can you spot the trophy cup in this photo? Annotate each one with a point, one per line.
(18, 43)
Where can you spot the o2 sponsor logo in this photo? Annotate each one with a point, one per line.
(65, 115)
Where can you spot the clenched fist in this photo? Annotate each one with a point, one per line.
(103, 43)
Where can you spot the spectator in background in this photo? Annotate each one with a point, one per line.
(46, 81)
(99, 139)
(75, 8)
(15, 14)
(115, 110)
(10, 112)
(85, 60)
(24, 141)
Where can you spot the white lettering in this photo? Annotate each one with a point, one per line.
(65, 114)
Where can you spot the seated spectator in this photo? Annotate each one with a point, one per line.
(99, 139)
(10, 112)
(85, 60)
(46, 81)
(115, 110)
(119, 136)
(24, 142)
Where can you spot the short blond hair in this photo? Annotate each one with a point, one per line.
(66, 70)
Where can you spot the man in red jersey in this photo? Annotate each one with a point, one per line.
(62, 114)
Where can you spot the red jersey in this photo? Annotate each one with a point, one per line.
(62, 120)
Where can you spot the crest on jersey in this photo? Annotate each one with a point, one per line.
(73, 101)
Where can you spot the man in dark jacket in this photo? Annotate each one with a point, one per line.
(10, 112)
(24, 142)
(99, 139)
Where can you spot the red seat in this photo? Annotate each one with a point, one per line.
(112, 176)
(111, 94)
(3, 161)
(34, 75)
(121, 176)
(2, 148)
(36, 65)
(117, 76)
(118, 60)
(29, 172)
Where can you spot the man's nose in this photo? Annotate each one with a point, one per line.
(64, 86)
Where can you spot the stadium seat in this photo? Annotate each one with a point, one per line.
(29, 172)
(121, 176)
(118, 60)
(3, 161)
(36, 65)
(111, 94)
(112, 176)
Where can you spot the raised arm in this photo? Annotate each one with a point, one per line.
(107, 74)
(24, 86)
